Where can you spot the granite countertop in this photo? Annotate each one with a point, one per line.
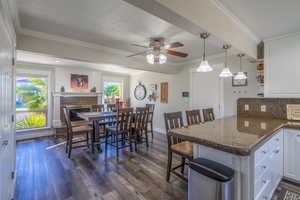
(236, 135)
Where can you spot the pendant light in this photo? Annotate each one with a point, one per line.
(204, 66)
(240, 75)
(226, 71)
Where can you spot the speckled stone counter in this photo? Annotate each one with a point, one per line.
(236, 135)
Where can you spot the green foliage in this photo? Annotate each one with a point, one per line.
(35, 94)
(112, 90)
(32, 120)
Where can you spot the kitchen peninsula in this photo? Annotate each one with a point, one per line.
(254, 147)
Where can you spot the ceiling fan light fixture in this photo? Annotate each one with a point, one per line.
(150, 58)
(156, 59)
(162, 58)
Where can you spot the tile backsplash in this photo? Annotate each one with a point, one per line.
(265, 107)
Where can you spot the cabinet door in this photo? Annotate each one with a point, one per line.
(291, 154)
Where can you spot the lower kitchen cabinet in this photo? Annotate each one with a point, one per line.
(292, 154)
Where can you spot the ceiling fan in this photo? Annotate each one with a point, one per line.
(157, 50)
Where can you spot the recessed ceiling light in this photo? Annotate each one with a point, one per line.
(57, 61)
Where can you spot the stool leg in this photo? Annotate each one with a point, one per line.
(169, 165)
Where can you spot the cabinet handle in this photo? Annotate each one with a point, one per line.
(264, 151)
(264, 166)
(5, 143)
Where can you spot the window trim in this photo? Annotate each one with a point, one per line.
(39, 74)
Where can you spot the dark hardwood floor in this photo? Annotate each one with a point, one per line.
(47, 174)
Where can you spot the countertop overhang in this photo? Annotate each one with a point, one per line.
(237, 135)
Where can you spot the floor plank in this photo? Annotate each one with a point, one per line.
(48, 174)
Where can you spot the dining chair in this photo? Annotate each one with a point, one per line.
(73, 131)
(176, 145)
(193, 117)
(120, 133)
(111, 107)
(140, 126)
(208, 114)
(150, 117)
(97, 108)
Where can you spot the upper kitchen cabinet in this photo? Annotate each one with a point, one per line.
(282, 66)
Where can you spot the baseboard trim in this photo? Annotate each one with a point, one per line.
(34, 134)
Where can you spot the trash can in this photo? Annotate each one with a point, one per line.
(209, 180)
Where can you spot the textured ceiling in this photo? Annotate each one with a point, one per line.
(267, 18)
(111, 23)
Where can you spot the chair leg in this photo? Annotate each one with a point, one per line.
(87, 140)
(151, 127)
(130, 140)
(146, 137)
(70, 147)
(106, 141)
(67, 142)
(169, 165)
(183, 165)
(117, 147)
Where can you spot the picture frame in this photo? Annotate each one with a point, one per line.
(79, 81)
(239, 83)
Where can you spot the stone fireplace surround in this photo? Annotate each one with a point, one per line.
(61, 99)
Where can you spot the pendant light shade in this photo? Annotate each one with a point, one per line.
(226, 71)
(240, 75)
(204, 66)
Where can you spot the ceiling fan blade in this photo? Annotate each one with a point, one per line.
(176, 53)
(138, 45)
(136, 54)
(174, 45)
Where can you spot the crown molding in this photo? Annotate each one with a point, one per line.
(235, 19)
(279, 37)
(14, 12)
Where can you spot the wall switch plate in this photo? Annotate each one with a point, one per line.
(263, 108)
(247, 108)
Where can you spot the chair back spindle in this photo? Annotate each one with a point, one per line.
(208, 114)
(193, 117)
(173, 120)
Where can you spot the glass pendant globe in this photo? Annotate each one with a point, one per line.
(204, 67)
(225, 73)
(150, 58)
(240, 76)
(162, 58)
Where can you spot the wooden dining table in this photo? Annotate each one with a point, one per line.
(95, 118)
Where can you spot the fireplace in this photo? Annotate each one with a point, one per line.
(78, 101)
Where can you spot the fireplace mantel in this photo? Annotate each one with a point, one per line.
(76, 94)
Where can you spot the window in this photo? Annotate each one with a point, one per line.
(31, 102)
(112, 91)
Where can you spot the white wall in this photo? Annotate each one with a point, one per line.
(282, 66)
(183, 81)
(177, 84)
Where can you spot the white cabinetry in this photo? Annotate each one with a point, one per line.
(282, 63)
(268, 168)
(292, 154)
